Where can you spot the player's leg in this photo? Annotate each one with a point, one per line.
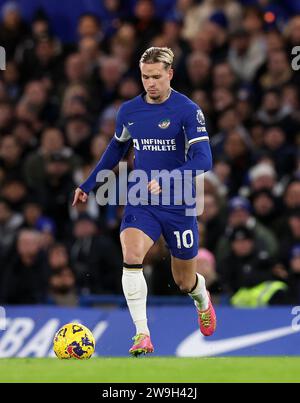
(135, 245)
(139, 230)
(190, 282)
(181, 234)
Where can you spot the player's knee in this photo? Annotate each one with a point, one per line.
(184, 286)
(133, 252)
(133, 256)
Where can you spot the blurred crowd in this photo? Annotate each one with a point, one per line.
(58, 103)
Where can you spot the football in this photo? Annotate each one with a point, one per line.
(74, 340)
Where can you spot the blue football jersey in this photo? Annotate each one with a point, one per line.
(161, 133)
(164, 138)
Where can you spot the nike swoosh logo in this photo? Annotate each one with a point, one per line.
(196, 345)
(130, 123)
(131, 294)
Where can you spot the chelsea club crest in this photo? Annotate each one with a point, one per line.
(164, 124)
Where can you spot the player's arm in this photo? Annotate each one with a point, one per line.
(115, 151)
(199, 154)
(200, 159)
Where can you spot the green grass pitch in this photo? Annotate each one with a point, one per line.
(151, 369)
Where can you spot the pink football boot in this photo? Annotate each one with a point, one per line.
(142, 344)
(207, 319)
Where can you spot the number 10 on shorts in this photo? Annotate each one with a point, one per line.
(186, 239)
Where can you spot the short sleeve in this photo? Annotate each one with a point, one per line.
(194, 124)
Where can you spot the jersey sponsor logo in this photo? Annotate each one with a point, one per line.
(130, 123)
(201, 129)
(164, 124)
(155, 144)
(200, 117)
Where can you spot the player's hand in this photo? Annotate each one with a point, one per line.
(153, 187)
(79, 196)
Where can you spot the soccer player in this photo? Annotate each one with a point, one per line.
(168, 132)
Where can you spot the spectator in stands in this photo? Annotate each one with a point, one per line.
(11, 80)
(10, 156)
(223, 171)
(44, 60)
(253, 22)
(275, 41)
(244, 56)
(198, 71)
(195, 15)
(95, 259)
(223, 76)
(281, 152)
(75, 101)
(56, 190)
(75, 69)
(52, 141)
(32, 212)
(6, 117)
(124, 50)
(110, 73)
(107, 121)
(128, 89)
(14, 190)
(292, 194)
(146, 22)
(10, 223)
(273, 113)
(227, 120)
(237, 151)
(78, 135)
(25, 277)
(261, 176)
(89, 52)
(244, 107)
(36, 99)
(240, 215)
(291, 234)
(115, 12)
(266, 208)
(206, 266)
(24, 133)
(13, 29)
(246, 273)
(214, 221)
(278, 72)
(292, 32)
(34, 219)
(201, 42)
(47, 229)
(62, 282)
(89, 26)
(291, 101)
